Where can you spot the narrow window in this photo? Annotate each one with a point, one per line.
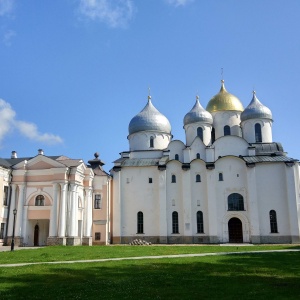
(200, 227)
(273, 221)
(97, 236)
(79, 202)
(151, 141)
(176, 156)
(2, 231)
(221, 177)
(150, 180)
(140, 222)
(5, 195)
(227, 130)
(235, 202)
(173, 179)
(213, 135)
(198, 155)
(40, 200)
(198, 178)
(175, 225)
(200, 133)
(97, 202)
(258, 136)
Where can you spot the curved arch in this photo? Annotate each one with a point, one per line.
(257, 132)
(235, 202)
(227, 130)
(175, 222)
(140, 222)
(33, 195)
(235, 230)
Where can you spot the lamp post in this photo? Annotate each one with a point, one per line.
(13, 237)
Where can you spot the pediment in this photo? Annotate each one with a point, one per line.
(39, 162)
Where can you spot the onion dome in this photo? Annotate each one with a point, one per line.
(149, 119)
(256, 110)
(197, 114)
(224, 101)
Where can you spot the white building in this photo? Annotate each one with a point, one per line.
(229, 182)
(58, 201)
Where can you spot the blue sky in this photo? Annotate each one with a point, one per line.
(74, 72)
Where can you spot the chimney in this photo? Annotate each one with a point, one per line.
(14, 154)
(41, 152)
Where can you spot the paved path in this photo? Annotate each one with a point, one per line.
(142, 257)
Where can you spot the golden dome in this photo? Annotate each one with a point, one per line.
(224, 101)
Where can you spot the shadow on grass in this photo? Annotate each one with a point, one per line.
(259, 276)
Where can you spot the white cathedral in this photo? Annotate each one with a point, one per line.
(228, 182)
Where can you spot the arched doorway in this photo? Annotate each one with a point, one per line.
(36, 235)
(235, 230)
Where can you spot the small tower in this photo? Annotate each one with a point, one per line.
(256, 122)
(198, 122)
(226, 110)
(149, 130)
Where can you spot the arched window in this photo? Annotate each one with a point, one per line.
(198, 155)
(258, 136)
(200, 227)
(198, 178)
(213, 135)
(176, 156)
(200, 133)
(273, 221)
(235, 202)
(151, 141)
(220, 176)
(175, 224)
(140, 222)
(40, 200)
(227, 130)
(173, 180)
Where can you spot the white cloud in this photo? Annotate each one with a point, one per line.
(115, 13)
(7, 37)
(6, 7)
(8, 122)
(178, 2)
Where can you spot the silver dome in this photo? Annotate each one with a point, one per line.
(149, 119)
(256, 110)
(197, 114)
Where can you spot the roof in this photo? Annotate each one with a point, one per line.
(265, 158)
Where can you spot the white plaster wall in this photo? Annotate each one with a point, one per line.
(141, 140)
(230, 118)
(197, 147)
(234, 181)
(199, 195)
(140, 195)
(176, 147)
(146, 154)
(248, 128)
(230, 145)
(272, 194)
(174, 196)
(191, 133)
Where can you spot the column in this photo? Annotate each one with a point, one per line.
(12, 206)
(186, 197)
(62, 216)
(24, 225)
(53, 215)
(292, 197)
(163, 225)
(88, 212)
(73, 216)
(212, 207)
(252, 206)
(19, 216)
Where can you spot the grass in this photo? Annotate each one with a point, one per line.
(62, 253)
(243, 276)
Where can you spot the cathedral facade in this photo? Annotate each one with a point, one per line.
(228, 182)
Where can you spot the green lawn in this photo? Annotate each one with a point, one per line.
(242, 276)
(62, 253)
